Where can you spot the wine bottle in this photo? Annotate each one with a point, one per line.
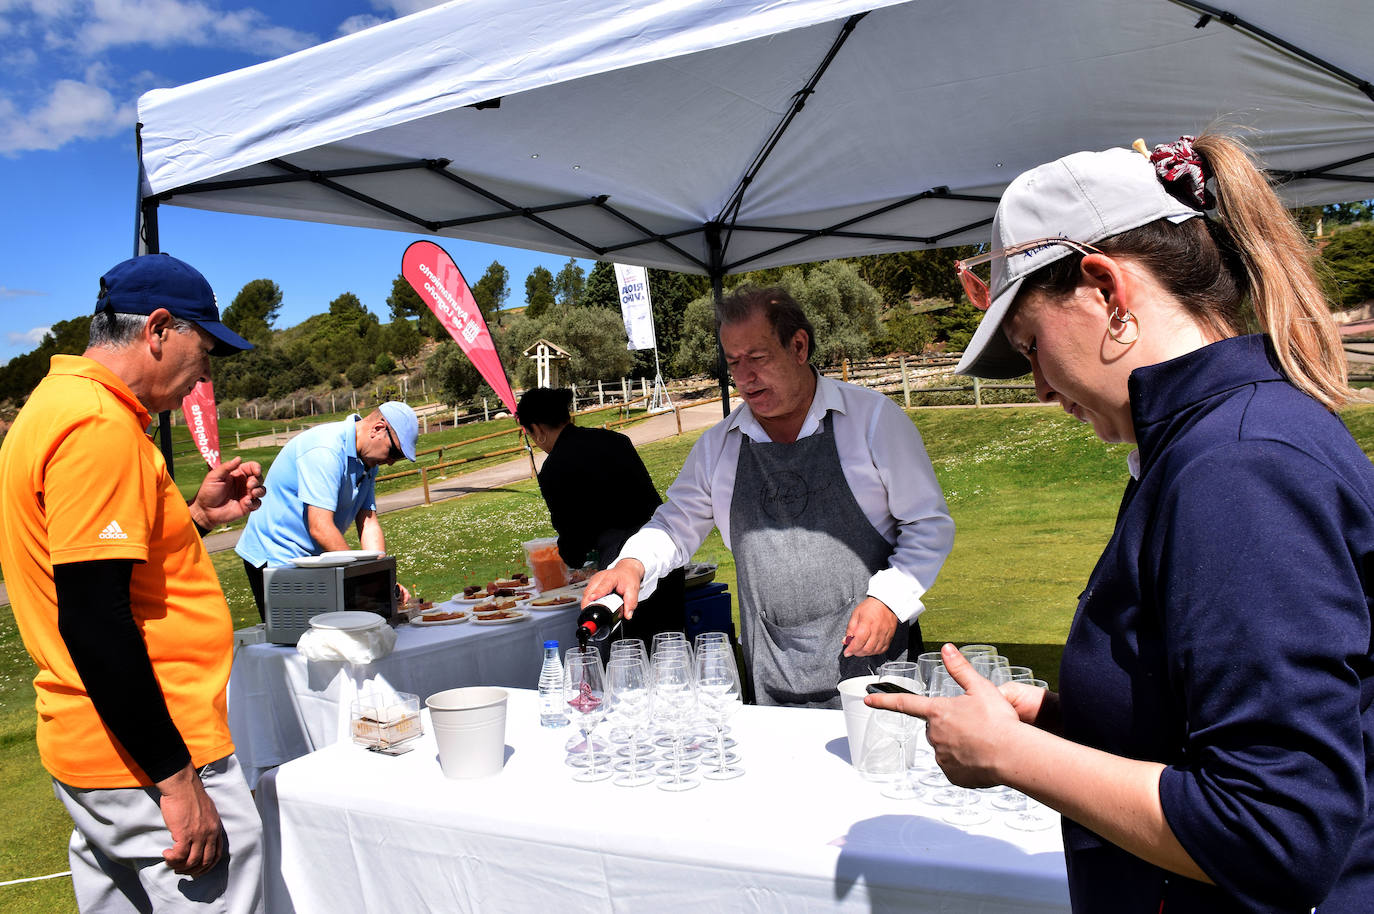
(601, 619)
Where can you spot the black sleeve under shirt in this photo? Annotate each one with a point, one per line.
(97, 625)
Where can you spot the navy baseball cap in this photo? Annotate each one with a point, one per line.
(143, 284)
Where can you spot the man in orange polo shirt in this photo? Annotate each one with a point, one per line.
(120, 608)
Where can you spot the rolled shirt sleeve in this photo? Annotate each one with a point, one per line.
(922, 531)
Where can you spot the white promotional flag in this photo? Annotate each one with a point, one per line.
(634, 305)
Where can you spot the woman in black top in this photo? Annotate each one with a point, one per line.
(598, 493)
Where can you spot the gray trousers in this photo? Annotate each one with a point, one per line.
(116, 849)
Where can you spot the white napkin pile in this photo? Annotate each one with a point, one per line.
(363, 646)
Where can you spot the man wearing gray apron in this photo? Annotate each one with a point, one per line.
(804, 553)
(825, 495)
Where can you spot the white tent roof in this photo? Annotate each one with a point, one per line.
(627, 127)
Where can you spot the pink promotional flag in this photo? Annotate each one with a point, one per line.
(434, 275)
(203, 421)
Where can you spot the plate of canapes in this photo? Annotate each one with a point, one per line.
(441, 616)
(548, 601)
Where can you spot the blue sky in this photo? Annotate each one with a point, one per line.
(71, 72)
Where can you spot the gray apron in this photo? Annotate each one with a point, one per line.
(804, 552)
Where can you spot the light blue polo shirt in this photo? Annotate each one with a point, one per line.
(318, 467)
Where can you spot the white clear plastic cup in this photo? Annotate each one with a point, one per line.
(470, 730)
(856, 715)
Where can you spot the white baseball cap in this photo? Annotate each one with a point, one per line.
(1083, 197)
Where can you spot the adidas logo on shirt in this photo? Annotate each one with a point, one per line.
(113, 532)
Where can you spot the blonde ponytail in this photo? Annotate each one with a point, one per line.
(1284, 292)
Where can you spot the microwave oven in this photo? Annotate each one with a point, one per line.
(292, 596)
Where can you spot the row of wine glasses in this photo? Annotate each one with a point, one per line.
(918, 777)
(653, 702)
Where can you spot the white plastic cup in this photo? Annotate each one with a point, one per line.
(856, 715)
(470, 729)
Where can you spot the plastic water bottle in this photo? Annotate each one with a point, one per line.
(551, 713)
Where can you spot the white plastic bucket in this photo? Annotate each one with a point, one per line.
(470, 730)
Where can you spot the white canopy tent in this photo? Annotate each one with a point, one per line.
(716, 136)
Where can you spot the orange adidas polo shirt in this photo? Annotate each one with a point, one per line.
(80, 480)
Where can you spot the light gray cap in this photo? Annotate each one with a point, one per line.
(1087, 196)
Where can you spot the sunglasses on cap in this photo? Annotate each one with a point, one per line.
(976, 286)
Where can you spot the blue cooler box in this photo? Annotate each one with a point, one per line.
(708, 610)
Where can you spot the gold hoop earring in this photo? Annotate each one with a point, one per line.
(1125, 320)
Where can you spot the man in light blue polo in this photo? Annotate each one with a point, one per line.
(320, 483)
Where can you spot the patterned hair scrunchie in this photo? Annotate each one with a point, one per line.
(1179, 166)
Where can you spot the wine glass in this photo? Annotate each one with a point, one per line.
(704, 638)
(992, 667)
(630, 647)
(718, 694)
(624, 647)
(963, 802)
(676, 740)
(675, 704)
(577, 745)
(900, 727)
(629, 698)
(972, 650)
(664, 638)
(935, 688)
(1029, 815)
(585, 692)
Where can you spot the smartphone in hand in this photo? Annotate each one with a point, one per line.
(879, 687)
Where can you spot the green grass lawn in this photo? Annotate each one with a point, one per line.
(1032, 492)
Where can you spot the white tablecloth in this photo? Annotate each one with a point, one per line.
(282, 706)
(350, 830)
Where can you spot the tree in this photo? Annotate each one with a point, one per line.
(697, 350)
(1349, 262)
(1349, 213)
(455, 376)
(954, 326)
(906, 331)
(569, 284)
(538, 292)
(670, 293)
(401, 339)
(594, 338)
(21, 374)
(254, 311)
(492, 290)
(601, 290)
(842, 308)
(404, 301)
(913, 274)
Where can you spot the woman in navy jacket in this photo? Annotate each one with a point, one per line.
(1210, 746)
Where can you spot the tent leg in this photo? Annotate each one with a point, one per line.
(717, 273)
(146, 242)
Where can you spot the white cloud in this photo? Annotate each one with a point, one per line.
(404, 7)
(15, 59)
(18, 293)
(72, 111)
(168, 23)
(30, 338)
(358, 23)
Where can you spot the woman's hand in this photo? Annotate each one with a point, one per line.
(968, 731)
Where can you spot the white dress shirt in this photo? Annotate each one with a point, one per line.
(884, 464)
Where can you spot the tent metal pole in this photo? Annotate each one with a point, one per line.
(146, 242)
(716, 270)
